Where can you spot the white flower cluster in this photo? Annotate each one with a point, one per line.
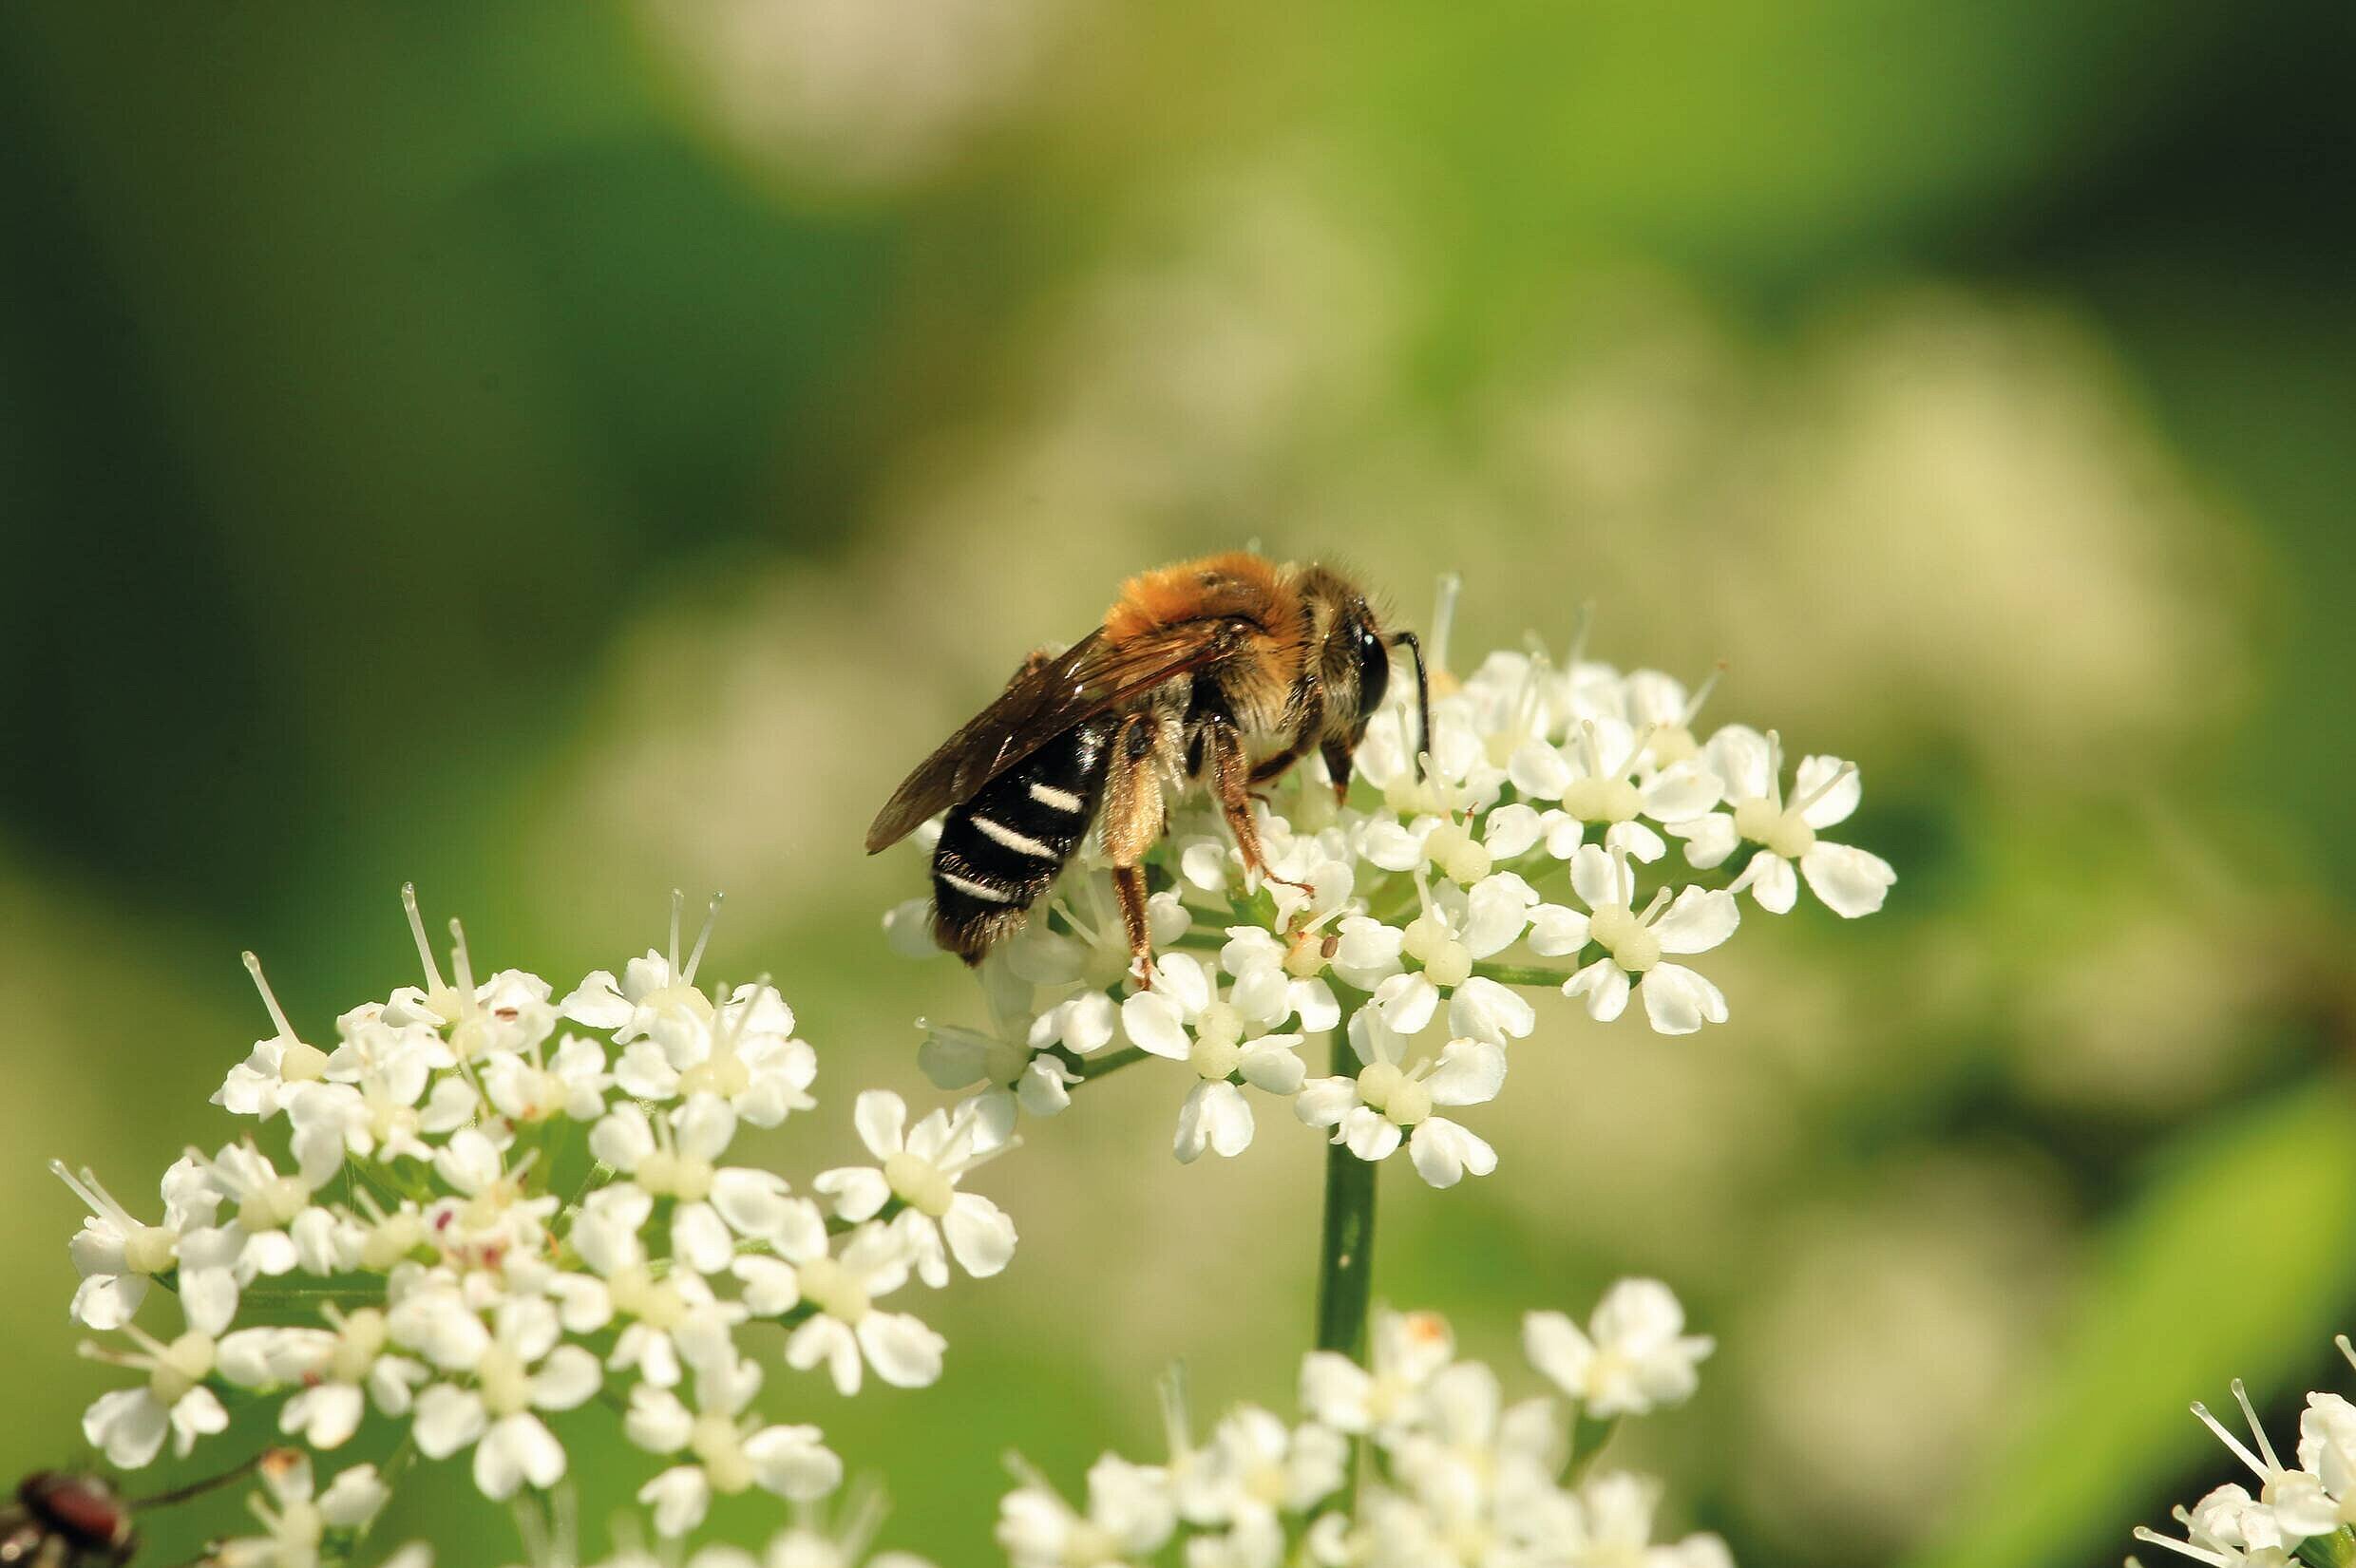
(2311, 1505)
(1458, 1479)
(1529, 846)
(494, 1204)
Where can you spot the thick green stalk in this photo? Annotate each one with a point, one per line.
(1345, 1266)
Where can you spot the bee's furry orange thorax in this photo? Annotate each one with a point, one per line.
(1235, 583)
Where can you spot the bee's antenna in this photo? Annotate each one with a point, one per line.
(1423, 696)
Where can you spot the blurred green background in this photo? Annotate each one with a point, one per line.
(557, 453)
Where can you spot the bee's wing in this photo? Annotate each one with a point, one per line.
(1092, 675)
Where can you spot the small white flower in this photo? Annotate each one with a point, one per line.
(128, 1425)
(666, 1318)
(920, 1168)
(845, 1325)
(530, 1086)
(729, 1452)
(266, 1203)
(744, 1053)
(1185, 1018)
(1634, 1356)
(261, 1084)
(1386, 1396)
(1389, 1102)
(295, 1520)
(1825, 791)
(1677, 999)
(2228, 1529)
(653, 989)
(1130, 1516)
(523, 1369)
(1608, 781)
(1255, 1468)
(342, 1372)
(116, 1255)
(674, 1157)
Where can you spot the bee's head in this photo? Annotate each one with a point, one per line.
(1355, 661)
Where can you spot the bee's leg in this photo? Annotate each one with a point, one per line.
(1308, 719)
(1229, 770)
(1336, 757)
(1132, 824)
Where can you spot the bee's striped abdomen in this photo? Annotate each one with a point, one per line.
(1004, 848)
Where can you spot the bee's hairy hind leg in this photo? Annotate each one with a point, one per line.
(1128, 882)
(1132, 824)
(1337, 765)
(1231, 782)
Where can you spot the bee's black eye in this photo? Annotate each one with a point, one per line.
(1373, 671)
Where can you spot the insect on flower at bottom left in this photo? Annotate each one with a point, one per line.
(499, 1203)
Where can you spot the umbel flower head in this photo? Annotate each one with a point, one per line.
(486, 1205)
(2301, 1511)
(1457, 1478)
(1526, 844)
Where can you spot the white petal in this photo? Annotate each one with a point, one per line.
(1838, 802)
(622, 1138)
(1697, 921)
(1556, 932)
(1771, 881)
(903, 1352)
(1605, 987)
(129, 1424)
(754, 1202)
(659, 1421)
(790, 1462)
(1681, 793)
(1680, 1001)
(1470, 1073)
(570, 1377)
(198, 1414)
(1272, 1064)
(1442, 1152)
(1323, 1102)
(1559, 1350)
(1594, 877)
(679, 1498)
(1740, 755)
(1370, 1136)
(1510, 831)
(1635, 841)
(1850, 881)
(881, 1118)
(858, 1191)
(705, 1126)
(700, 1238)
(1485, 1009)
(980, 1235)
(448, 1418)
(1406, 1002)
(1708, 839)
(1538, 771)
(1217, 1116)
(1153, 1023)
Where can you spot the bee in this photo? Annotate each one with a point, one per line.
(1221, 672)
(63, 1520)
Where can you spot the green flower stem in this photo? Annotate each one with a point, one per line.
(1588, 1437)
(1345, 1268)
(2332, 1551)
(1092, 1067)
(1521, 975)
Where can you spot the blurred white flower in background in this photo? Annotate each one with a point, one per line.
(851, 92)
(1454, 1477)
